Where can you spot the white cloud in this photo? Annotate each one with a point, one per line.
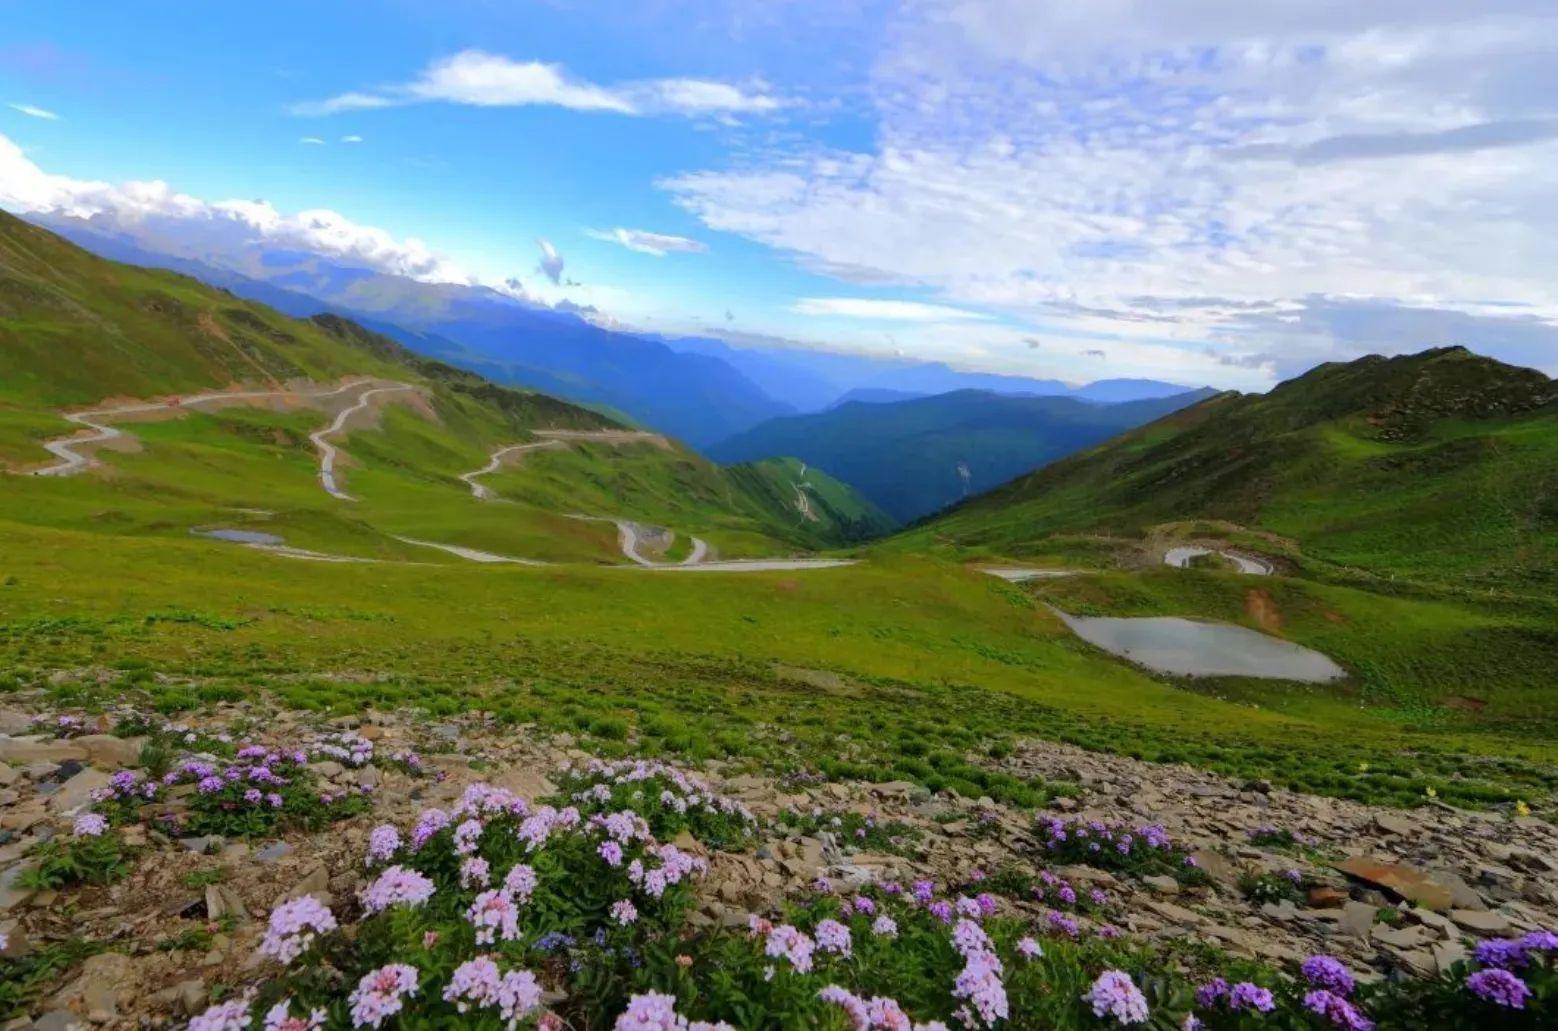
(551, 263)
(1183, 173)
(313, 141)
(645, 242)
(482, 79)
(891, 311)
(351, 139)
(232, 233)
(33, 111)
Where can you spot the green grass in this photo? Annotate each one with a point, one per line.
(1439, 468)
(931, 662)
(1421, 662)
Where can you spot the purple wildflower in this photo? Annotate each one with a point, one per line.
(1499, 987)
(1328, 973)
(1337, 1010)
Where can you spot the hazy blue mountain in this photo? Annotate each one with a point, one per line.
(914, 457)
(1114, 391)
(875, 396)
(812, 380)
(695, 397)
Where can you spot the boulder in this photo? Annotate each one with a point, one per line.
(23, 751)
(109, 752)
(1408, 882)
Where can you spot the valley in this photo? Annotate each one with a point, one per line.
(304, 529)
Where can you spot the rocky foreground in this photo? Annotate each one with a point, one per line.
(1238, 871)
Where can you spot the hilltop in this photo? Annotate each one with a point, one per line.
(1433, 466)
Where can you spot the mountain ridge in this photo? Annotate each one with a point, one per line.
(914, 456)
(1380, 463)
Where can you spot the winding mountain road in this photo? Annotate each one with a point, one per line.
(327, 450)
(73, 460)
(629, 533)
(1180, 559)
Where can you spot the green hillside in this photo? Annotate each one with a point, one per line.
(78, 331)
(908, 664)
(1440, 467)
(913, 457)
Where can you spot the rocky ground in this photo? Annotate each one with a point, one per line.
(1392, 893)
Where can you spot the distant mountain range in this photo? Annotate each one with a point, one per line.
(810, 380)
(1439, 466)
(699, 390)
(914, 457)
(76, 329)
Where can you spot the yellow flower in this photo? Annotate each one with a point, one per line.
(1363, 767)
(1430, 792)
(1521, 809)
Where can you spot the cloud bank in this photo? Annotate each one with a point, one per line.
(1192, 175)
(481, 79)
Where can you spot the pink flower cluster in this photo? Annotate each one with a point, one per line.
(1114, 995)
(675, 867)
(479, 983)
(396, 886)
(683, 794)
(654, 1011)
(293, 928)
(382, 993)
(874, 1013)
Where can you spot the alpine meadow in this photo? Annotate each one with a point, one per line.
(953, 515)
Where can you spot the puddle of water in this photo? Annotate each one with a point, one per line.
(241, 536)
(1185, 648)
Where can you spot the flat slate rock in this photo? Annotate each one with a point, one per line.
(1410, 883)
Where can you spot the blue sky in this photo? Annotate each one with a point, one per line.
(1018, 185)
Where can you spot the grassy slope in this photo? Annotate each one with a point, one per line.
(689, 662)
(76, 329)
(1439, 467)
(1412, 500)
(100, 570)
(909, 456)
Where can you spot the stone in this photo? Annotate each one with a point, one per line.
(274, 851)
(16, 942)
(222, 902)
(1479, 921)
(1408, 882)
(1327, 897)
(316, 883)
(109, 752)
(1394, 823)
(328, 769)
(13, 894)
(103, 978)
(1217, 866)
(1162, 884)
(192, 996)
(77, 791)
(1357, 919)
(1401, 937)
(203, 845)
(58, 1020)
(1176, 914)
(1447, 954)
(1462, 895)
(23, 752)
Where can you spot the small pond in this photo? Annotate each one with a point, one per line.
(242, 536)
(1185, 648)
